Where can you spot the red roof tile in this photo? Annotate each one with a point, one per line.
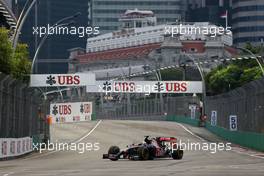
(121, 53)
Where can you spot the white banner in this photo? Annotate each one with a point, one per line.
(56, 80)
(214, 118)
(10, 147)
(233, 122)
(71, 112)
(146, 87)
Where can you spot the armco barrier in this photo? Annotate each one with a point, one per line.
(182, 119)
(247, 139)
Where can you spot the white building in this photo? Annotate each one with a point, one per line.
(141, 42)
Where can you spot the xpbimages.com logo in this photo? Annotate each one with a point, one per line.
(181, 29)
(65, 30)
(59, 146)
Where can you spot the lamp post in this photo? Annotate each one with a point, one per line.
(38, 49)
(21, 21)
(203, 81)
(41, 44)
(57, 24)
(254, 57)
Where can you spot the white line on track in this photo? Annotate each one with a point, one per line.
(10, 173)
(90, 132)
(186, 129)
(236, 151)
(77, 141)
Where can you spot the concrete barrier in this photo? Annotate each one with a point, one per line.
(182, 119)
(14, 147)
(246, 139)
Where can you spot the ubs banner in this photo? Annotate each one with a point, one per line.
(146, 87)
(65, 80)
(10, 147)
(71, 112)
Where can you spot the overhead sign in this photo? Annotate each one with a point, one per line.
(10, 147)
(233, 122)
(146, 87)
(55, 80)
(71, 112)
(214, 118)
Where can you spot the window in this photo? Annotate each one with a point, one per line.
(193, 50)
(149, 40)
(138, 24)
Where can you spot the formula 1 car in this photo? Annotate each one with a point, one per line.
(158, 147)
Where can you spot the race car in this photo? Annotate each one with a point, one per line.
(158, 147)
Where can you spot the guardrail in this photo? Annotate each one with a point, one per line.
(14, 147)
(22, 111)
(246, 104)
(143, 109)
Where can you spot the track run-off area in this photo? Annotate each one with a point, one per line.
(100, 135)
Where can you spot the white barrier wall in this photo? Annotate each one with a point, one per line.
(10, 147)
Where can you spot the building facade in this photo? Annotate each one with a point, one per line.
(133, 48)
(7, 18)
(105, 13)
(248, 21)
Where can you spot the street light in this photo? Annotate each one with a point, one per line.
(38, 49)
(254, 57)
(42, 42)
(57, 24)
(203, 81)
(42, 93)
(21, 21)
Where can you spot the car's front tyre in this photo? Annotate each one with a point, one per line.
(113, 150)
(143, 153)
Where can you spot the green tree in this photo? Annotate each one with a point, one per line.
(250, 74)
(253, 49)
(238, 73)
(6, 51)
(12, 62)
(224, 79)
(20, 63)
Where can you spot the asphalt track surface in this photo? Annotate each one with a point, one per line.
(121, 133)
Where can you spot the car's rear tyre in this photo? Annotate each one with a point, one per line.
(143, 153)
(113, 150)
(177, 155)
